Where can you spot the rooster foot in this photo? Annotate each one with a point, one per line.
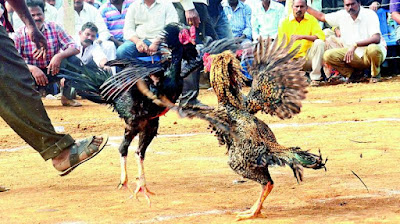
(141, 187)
(249, 214)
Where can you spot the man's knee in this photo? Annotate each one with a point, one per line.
(329, 55)
(124, 49)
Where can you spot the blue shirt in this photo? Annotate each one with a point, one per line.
(239, 19)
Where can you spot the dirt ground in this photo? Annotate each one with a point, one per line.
(357, 126)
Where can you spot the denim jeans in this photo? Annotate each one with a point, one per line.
(128, 50)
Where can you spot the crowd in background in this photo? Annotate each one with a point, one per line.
(117, 29)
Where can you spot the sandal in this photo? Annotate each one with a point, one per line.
(83, 146)
(375, 79)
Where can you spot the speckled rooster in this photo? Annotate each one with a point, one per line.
(278, 87)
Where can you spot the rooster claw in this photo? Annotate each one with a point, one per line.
(141, 187)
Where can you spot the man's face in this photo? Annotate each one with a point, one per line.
(51, 2)
(87, 34)
(299, 8)
(352, 7)
(233, 2)
(78, 4)
(37, 15)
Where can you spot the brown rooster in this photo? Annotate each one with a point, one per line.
(277, 89)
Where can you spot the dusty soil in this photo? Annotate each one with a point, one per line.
(356, 126)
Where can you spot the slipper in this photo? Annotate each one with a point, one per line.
(3, 189)
(83, 146)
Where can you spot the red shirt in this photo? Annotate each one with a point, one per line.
(56, 38)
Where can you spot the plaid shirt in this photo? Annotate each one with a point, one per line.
(56, 37)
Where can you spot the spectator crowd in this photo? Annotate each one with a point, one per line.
(349, 48)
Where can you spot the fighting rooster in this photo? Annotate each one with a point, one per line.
(277, 88)
(141, 92)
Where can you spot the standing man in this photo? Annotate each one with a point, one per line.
(28, 118)
(305, 30)
(361, 37)
(212, 22)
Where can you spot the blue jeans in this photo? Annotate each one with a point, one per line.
(128, 50)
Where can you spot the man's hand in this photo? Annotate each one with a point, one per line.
(40, 42)
(38, 75)
(54, 66)
(152, 49)
(141, 46)
(296, 37)
(374, 6)
(337, 32)
(349, 54)
(192, 18)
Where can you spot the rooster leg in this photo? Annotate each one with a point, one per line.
(255, 210)
(145, 138)
(141, 183)
(124, 175)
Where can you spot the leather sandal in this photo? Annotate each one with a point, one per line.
(83, 146)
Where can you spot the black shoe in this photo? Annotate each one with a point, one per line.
(199, 105)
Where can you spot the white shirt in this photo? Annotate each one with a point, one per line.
(148, 22)
(366, 25)
(50, 15)
(93, 52)
(89, 13)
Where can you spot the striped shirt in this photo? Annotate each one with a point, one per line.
(114, 19)
(56, 37)
(239, 19)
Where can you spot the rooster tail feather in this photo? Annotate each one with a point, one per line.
(85, 79)
(297, 159)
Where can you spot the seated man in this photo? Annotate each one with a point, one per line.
(144, 22)
(266, 16)
(361, 37)
(305, 29)
(84, 12)
(113, 13)
(90, 51)
(44, 66)
(239, 17)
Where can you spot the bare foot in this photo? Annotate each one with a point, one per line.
(61, 162)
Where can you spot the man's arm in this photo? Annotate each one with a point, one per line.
(317, 14)
(247, 30)
(55, 62)
(36, 36)
(191, 14)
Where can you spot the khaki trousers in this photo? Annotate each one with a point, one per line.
(314, 59)
(372, 59)
(21, 106)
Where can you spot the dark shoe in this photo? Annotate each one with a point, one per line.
(3, 189)
(83, 146)
(199, 105)
(69, 103)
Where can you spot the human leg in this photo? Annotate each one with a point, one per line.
(373, 57)
(28, 118)
(128, 50)
(334, 58)
(315, 55)
(222, 26)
